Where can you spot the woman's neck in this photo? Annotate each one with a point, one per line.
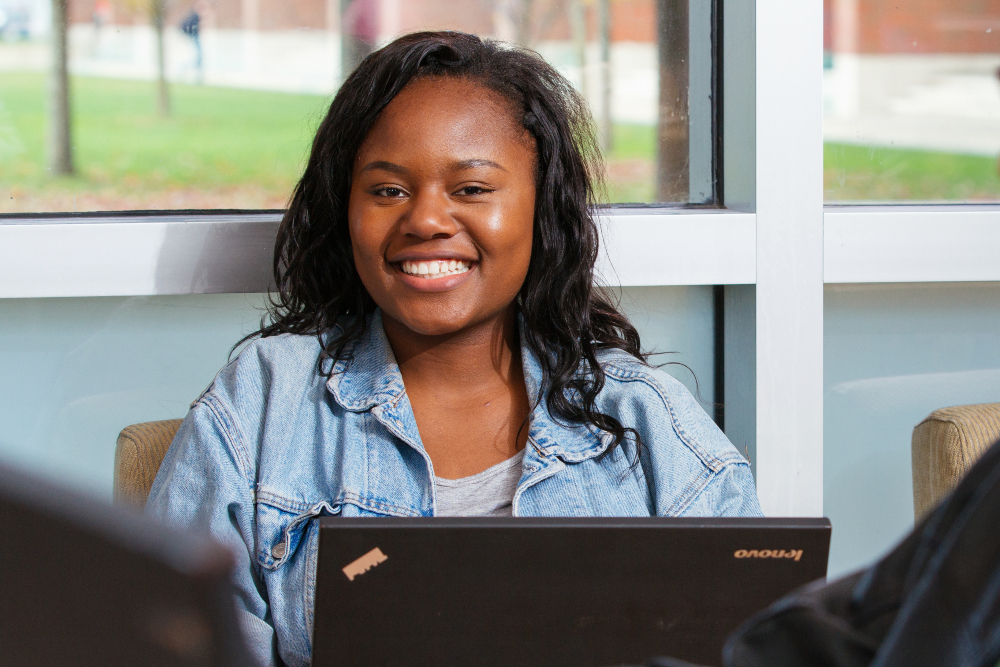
(467, 393)
(475, 359)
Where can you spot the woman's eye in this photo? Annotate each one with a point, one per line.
(389, 191)
(470, 190)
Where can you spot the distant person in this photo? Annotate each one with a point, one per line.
(102, 14)
(436, 344)
(191, 26)
(358, 32)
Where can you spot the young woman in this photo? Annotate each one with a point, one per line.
(436, 344)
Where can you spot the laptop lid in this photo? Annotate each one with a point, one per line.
(89, 583)
(579, 592)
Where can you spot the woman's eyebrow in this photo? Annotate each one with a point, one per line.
(475, 162)
(385, 166)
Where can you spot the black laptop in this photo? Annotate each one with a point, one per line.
(554, 592)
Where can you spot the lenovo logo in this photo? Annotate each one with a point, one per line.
(769, 553)
(365, 563)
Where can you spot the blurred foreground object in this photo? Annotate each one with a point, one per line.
(945, 446)
(932, 601)
(99, 585)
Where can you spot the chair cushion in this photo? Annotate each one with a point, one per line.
(945, 446)
(138, 455)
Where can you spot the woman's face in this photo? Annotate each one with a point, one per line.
(442, 207)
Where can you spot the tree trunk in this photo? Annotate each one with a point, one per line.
(163, 92)
(578, 27)
(60, 138)
(672, 173)
(604, 27)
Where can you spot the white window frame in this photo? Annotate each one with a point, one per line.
(774, 234)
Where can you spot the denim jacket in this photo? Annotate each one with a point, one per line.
(272, 444)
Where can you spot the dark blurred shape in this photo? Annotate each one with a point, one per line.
(358, 32)
(672, 148)
(96, 584)
(191, 26)
(933, 601)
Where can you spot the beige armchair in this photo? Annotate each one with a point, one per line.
(138, 455)
(945, 445)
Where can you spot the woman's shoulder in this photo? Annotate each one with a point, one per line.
(282, 363)
(629, 374)
(662, 409)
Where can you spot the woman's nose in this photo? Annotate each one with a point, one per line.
(429, 217)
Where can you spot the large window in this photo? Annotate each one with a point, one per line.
(912, 100)
(211, 104)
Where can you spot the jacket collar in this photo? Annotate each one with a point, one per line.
(370, 377)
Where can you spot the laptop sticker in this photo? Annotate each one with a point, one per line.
(365, 563)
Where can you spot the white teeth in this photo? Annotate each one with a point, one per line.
(434, 268)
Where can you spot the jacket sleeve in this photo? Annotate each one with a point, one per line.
(206, 483)
(731, 492)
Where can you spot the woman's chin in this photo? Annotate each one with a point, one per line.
(433, 323)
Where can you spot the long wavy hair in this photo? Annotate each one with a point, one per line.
(566, 318)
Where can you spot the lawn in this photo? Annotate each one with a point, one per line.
(875, 174)
(229, 148)
(220, 148)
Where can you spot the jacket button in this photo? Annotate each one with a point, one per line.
(278, 551)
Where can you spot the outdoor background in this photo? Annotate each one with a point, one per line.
(911, 95)
(246, 83)
(912, 100)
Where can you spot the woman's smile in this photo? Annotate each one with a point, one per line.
(435, 268)
(436, 275)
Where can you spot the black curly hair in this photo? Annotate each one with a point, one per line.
(566, 318)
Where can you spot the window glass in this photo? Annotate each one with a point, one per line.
(912, 100)
(212, 104)
(78, 370)
(892, 355)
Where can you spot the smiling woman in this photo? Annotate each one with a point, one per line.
(437, 345)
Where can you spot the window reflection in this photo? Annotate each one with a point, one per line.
(212, 103)
(912, 100)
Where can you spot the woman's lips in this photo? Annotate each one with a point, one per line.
(434, 275)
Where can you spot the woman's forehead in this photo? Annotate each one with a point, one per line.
(441, 111)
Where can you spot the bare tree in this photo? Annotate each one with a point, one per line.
(578, 27)
(604, 28)
(157, 14)
(672, 160)
(156, 10)
(60, 138)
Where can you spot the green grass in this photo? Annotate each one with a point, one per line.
(868, 173)
(851, 172)
(216, 140)
(230, 148)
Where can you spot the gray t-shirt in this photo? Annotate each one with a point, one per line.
(489, 493)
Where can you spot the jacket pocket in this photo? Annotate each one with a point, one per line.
(280, 532)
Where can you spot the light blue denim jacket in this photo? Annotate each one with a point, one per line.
(272, 444)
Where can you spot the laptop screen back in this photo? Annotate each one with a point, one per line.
(533, 592)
